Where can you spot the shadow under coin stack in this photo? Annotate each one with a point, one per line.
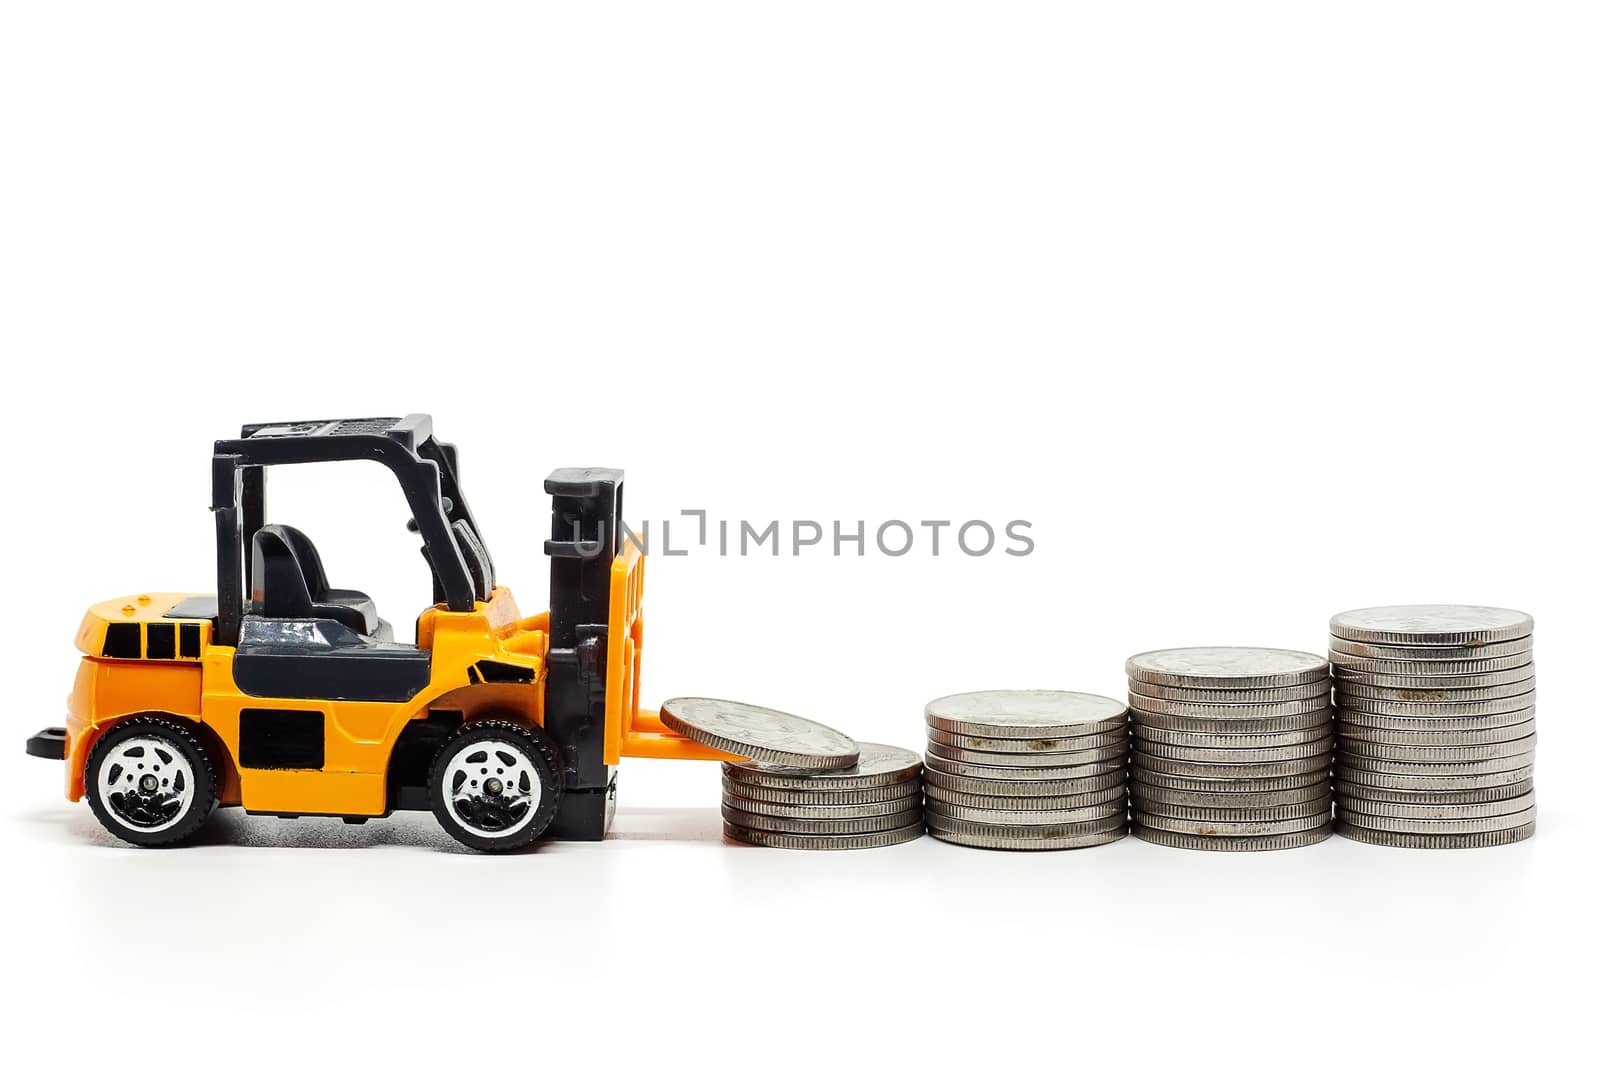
(1027, 770)
(1436, 734)
(1232, 748)
(807, 786)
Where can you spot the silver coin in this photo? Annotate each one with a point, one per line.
(1443, 754)
(1054, 831)
(1434, 738)
(1244, 800)
(1421, 653)
(1031, 759)
(832, 827)
(1234, 756)
(1141, 706)
(951, 799)
(993, 733)
(1483, 825)
(1208, 843)
(1357, 720)
(1437, 783)
(1064, 790)
(1320, 810)
(985, 837)
(1459, 687)
(1196, 724)
(1346, 676)
(1193, 739)
(1419, 709)
(1321, 776)
(1471, 810)
(1029, 773)
(821, 811)
(1489, 839)
(839, 797)
(878, 766)
(1431, 624)
(1025, 713)
(1427, 768)
(1358, 667)
(1239, 828)
(821, 842)
(1351, 692)
(1345, 791)
(1221, 667)
(760, 734)
(1023, 817)
(1192, 769)
(1029, 745)
(1232, 697)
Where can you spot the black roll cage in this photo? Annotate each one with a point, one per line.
(426, 468)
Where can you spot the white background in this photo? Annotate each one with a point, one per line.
(1257, 311)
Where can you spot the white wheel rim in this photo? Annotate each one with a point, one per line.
(491, 789)
(146, 783)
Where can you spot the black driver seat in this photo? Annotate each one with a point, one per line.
(288, 582)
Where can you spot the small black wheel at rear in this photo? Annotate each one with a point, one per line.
(150, 781)
(495, 785)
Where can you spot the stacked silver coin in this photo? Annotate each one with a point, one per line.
(877, 802)
(1435, 725)
(1232, 748)
(1027, 769)
(801, 784)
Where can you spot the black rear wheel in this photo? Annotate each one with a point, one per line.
(149, 781)
(495, 785)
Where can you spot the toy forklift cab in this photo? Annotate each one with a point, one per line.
(290, 696)
(295, 636)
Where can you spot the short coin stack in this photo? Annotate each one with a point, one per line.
(1435, 720)
(1232, 748)
(876, 802)
(1027, 769)
(805, 785)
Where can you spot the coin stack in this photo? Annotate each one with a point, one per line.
(1232, 748)
(877, 802)
(1435, 722)
(1027, 770)
(801, 784)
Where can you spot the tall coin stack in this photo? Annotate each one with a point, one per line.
(1232, 748)
(877, 802)
(1027, 769)
(1435, 720)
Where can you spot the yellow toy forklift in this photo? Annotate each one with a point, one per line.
(288, 696)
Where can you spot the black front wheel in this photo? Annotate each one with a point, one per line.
(494, 785)
(149, 780)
